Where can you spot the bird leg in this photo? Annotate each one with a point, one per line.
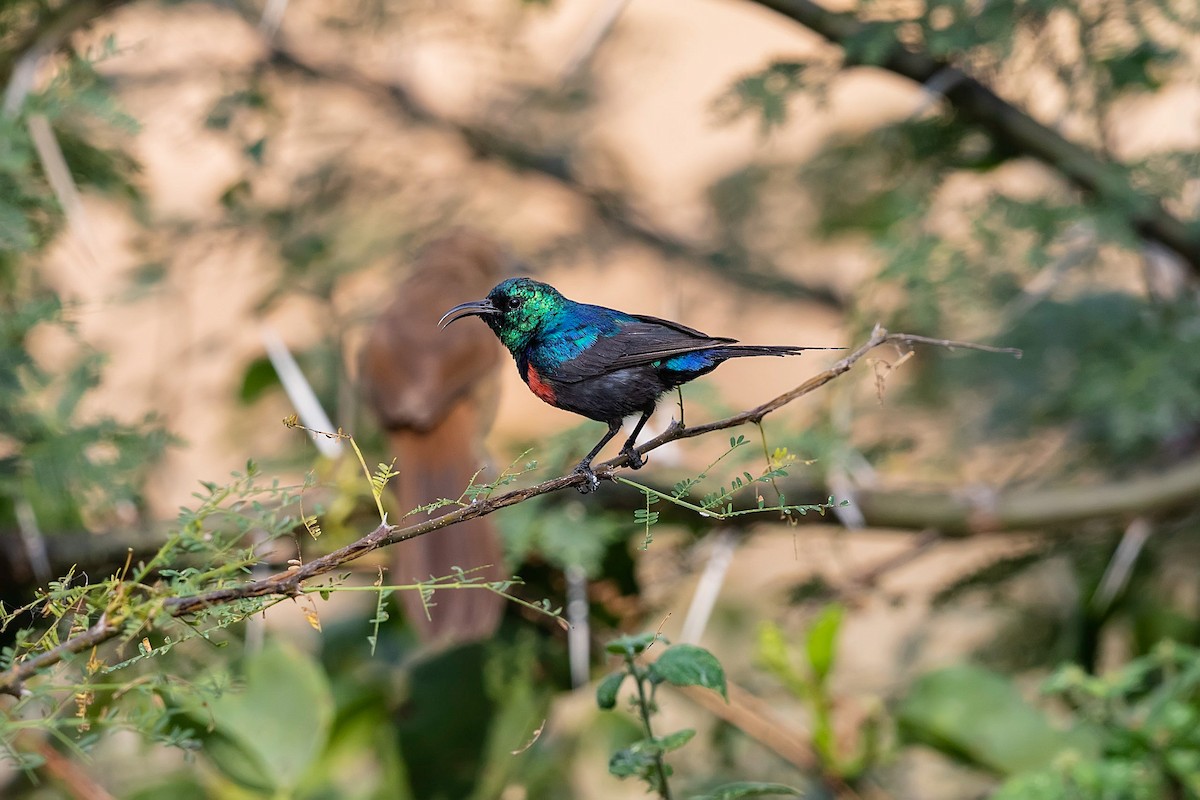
(636, 459)
(584, 467)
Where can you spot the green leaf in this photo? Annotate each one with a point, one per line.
(688, 665)
(772, 651)
(268, 735)
(765, 93)
(254, 151)
(636, 759)
(631, 645)
(979, 717)
(821, 642)
(606, 692)
(258, 377)
(1142, 67)
(15, 232)
(676, 740)
(732, 791)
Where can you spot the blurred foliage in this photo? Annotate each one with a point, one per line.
(267, 734)
(1133, 731)
(809, 683)
(763, 94)
(1119, 372)
(1014, 255)
(943, 710)
(72, 469)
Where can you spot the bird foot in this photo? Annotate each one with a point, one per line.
(636, 459)
(591, 482)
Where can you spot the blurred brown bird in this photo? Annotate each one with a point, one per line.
(433, 393)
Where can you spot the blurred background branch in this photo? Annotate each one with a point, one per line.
(1008, 125)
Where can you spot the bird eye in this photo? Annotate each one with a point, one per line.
(513, 303)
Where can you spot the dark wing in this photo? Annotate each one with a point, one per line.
(641, 341)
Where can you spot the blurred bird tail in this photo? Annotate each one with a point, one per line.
(434, 464)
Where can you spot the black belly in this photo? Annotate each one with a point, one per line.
(613, 395)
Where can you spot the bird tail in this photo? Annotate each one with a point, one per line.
(741, 350)
(434, 464)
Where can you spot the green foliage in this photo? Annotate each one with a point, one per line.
(965, 248)
(1146, 718)
(764, 94)
(70, 468)
(561, 533)
(66, 466)
(266, 734)
(644, 758)
(1134, 735)
(1120, 372)
(688, 665)
(606, 691)
(75, 101)
(810, 683)
(978, 716)
(679, 665)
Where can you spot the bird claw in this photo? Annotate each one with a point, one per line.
(636, 459)
(591, 482)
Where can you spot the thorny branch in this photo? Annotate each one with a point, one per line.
(290, 582)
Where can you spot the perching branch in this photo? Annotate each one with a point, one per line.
(290, 583)
(1011, 126)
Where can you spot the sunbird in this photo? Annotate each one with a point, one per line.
(599, 362)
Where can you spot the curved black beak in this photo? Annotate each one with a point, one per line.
(476, 308)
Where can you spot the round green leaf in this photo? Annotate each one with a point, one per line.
(688, 665)
(268, 735)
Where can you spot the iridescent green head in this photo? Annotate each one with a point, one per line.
(514, 310)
